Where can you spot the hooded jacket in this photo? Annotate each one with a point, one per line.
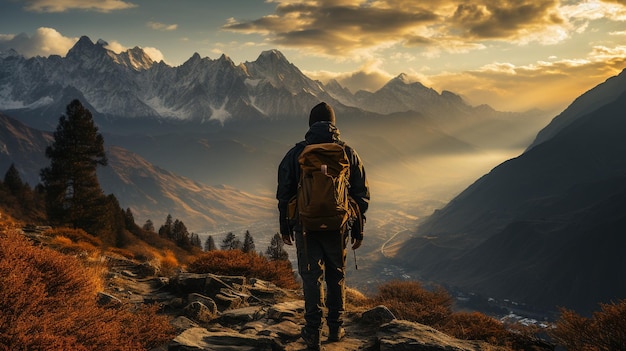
(289, 172)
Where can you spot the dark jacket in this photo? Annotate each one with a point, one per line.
(289, 172)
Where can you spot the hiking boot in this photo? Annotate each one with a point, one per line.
(311, 338)
(336, 334)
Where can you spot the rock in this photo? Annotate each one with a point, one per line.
(108, 300)
(205, 300)
(128, 273)
(378, 315)
(285, 330)
(262, 289)
(286, 310)
(399, 335)
(182, 323)
(242, 315)
(202, 339)
(186, 283)
(199, 312)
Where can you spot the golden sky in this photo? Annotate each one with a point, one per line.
(513, 55)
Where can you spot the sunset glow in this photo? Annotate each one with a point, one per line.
(512, 55)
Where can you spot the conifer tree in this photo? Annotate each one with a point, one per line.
(231, 242)
(73, 193)
(149, 226)
(209, 244)
(180, 235)
(248, 243)
(276, 250)
(195, 241)
(165, 231)
(13, 181)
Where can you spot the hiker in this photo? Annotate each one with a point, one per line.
(321, 244)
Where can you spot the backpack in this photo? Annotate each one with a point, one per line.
(322, 198)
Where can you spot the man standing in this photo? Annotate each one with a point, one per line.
(322, 252)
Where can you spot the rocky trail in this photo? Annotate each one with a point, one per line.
(226, 313)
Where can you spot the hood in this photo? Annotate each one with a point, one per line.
(322, 132)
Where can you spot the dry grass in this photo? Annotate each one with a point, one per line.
(410, 301)
(47, 302)
(251, 265)
(604, 331)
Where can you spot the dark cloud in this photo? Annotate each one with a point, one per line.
(331, 27)
(505, 19)
(342, 27)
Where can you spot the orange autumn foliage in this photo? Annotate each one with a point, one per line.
(48, 302)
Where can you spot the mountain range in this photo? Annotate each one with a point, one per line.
(219, 123)
(545, 228)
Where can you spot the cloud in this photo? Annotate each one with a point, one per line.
(154, 53)
(369, 77)
(495, 19)
(116, 46)
(341, 28)
(45, 42)
(547, 85)
(338, 28)
(86, 5)
(162, 26)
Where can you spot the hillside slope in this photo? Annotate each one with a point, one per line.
(544, 228)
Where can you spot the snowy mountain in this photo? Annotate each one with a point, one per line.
(130, 86)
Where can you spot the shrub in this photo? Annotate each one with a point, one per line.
(250, 265)
(605, 330)
(475, 326)
(409, 300)
(75, 235)
(47, 302)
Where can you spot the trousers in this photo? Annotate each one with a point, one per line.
(322, 257)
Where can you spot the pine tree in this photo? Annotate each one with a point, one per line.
(209, 244)
(73, 193)
(180, 235)
(13, 182)
(231, 242)
(195, 241)
(276, 250)
(165, 231)
(248, 243)
(149, 226)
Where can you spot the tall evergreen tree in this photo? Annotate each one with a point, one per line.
(248, 243)
(231, 242)
(195, 241)
(209, 244)
(180, 235)
(276, 250)
(73, 193)
(13, 181)
(165, 231)
(149, 226)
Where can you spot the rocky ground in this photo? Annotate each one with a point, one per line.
(220, 313)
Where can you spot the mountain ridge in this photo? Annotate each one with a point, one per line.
(148, 190)
(131, 85)
(518, 232)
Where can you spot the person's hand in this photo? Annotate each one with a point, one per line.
(356, 243)
(288, 239)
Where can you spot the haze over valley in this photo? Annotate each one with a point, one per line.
(202, 142)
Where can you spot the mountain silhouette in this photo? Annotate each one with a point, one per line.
(545, 228)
